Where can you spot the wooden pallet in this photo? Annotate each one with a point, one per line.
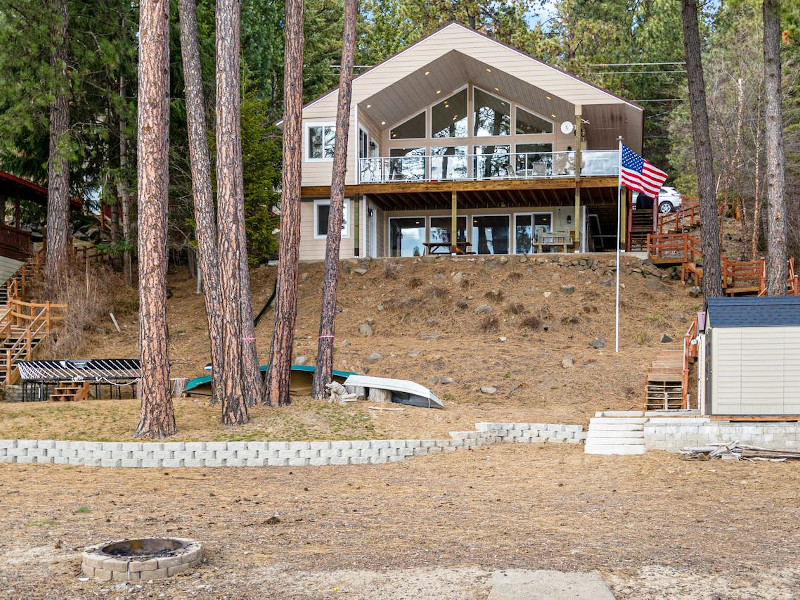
(664, 389)
(70, 391)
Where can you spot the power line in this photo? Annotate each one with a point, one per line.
(636, 64)
(632, 72)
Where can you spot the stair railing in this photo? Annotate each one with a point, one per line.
(37, 321)
(689, 351)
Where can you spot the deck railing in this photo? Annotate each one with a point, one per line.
(689, 352)
(473, 167)
(14, 243)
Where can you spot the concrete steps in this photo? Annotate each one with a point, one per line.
(616, 432)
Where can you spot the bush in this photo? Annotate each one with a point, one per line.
(531, 322)
(490, 324)
(516, 308)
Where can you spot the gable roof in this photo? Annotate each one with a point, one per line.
(484, 49)
(769, 311)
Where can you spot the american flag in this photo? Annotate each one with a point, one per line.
(639, 175)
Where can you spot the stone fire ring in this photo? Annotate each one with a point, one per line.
(140, 559)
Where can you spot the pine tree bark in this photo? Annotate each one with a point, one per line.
(704, 161)
(323, 372)
(758, 200)
(122, 186)
(204, 210)
(230, 212)
(157, 418)
(277, 388)
(57, 259)
(773, 128)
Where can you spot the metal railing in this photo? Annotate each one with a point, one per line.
(475, 167)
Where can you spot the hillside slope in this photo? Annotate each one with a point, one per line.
(521, 325)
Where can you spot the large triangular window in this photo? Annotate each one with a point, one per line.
(492, 115)
(449, 117)
(529, 123)
(412, 129)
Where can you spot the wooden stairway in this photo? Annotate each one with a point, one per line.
(641, 226)
(68, 391)
(665, 382)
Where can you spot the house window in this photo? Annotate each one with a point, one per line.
(320, 141)
(412, 129)
(407, 236)
(442, 226)
(449, 117)
(529, 228)
(322, 210)
(534, 160)
(448, 162)
(527, 123)
(492, 115)
(493, 161)
(490, 234)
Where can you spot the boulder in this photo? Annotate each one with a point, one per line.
(597, 343)
(488, 389)
(365, 329)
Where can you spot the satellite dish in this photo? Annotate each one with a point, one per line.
(567, 127)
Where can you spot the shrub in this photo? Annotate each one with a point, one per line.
(514, 276)
(490, 324)
(414, 282)
(531, 322)
(495, 295)
(516, 308)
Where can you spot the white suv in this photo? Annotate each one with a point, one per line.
(669, 199)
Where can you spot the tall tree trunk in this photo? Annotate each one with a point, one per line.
(204, 211)
(157, 418)
(231, 212)
(122, 184)
(776, 202)
(251, 371)
(277, 388)
(322, 374)
(704, 161)
(756, 233)
(57, 260)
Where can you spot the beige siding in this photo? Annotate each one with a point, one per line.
(8, 266)
(314, 249)
(754, 370)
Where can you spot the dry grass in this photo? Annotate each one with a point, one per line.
(495, 295)
(489, 324)
(531, 322)
(516, 308)
(90, 298)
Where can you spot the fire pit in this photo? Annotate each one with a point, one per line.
(141, 559)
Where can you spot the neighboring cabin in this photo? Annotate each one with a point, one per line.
(461, 131)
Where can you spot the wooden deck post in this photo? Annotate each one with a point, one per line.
(8, 365)
(577, 218)
(454, 222)
(47, 316)
(623, 219)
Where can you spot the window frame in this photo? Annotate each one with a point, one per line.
(307, 139)
(345, 213)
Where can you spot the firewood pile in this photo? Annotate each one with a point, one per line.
(737, 451)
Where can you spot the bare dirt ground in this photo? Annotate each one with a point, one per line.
(434, 527)
(422, 312)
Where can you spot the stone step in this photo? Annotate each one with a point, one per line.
(619, 413)
(619, 420)
(593, 434)
(603, 449)
(614, 441)
(616, 427)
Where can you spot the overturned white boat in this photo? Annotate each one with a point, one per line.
(403, 391)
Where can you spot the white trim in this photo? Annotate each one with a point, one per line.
(307, 139)
(346, 212)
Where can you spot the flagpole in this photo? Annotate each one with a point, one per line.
(619, 195)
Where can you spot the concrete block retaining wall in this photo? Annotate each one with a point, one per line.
(275, 454)
(674, 434)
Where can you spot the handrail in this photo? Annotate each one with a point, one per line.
(38, 320)
(689, 351)
(474, 167)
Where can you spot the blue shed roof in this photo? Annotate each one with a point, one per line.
(778, 311)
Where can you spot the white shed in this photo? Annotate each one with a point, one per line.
(752, 356)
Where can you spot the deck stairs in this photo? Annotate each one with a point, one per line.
(69, 391)
(616, 432)
(641, 226)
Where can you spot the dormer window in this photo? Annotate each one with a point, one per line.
(492, 115)
(530, 123)
(414, 128)
(320, 139)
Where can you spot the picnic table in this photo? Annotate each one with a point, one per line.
(447, 247)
